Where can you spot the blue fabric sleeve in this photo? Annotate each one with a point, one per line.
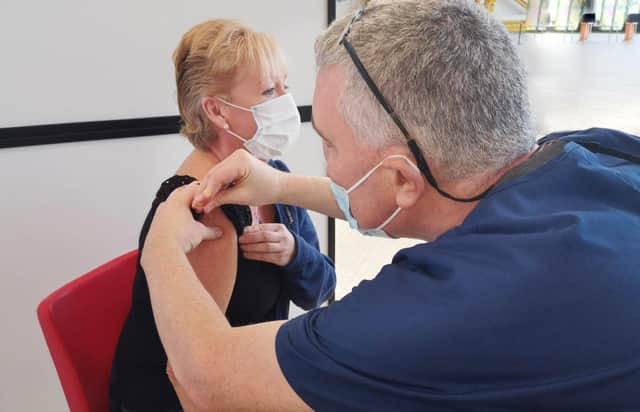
(409, 340)
(310, 277)
(354, 355)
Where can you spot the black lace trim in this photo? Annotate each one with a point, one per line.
(168, 186)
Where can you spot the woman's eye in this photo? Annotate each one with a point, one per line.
(286, 87)
(269, 92)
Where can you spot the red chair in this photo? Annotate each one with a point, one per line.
(81, 323)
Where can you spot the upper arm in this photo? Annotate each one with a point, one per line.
(331, 358)
(215, 262)
(245, 374)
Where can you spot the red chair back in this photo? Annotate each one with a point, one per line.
(81, 323)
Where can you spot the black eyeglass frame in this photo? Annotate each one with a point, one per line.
(413, 146)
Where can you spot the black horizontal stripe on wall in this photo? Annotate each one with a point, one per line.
(98, 130)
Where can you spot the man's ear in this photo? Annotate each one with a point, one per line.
(408, 182)
(211, 107)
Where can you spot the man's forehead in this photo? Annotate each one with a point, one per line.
(329, 78)
(325, 99)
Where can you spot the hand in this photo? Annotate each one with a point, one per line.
(240, 179)
(174, 223)
(268, 242)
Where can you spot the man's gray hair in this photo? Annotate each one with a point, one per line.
(448, 69)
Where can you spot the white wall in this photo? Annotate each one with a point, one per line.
(84, 60)
(67, 208)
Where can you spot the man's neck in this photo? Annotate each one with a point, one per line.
(445, 214)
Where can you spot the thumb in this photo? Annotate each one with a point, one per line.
(222, 176)
(185, 194)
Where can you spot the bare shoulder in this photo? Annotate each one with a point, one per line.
(216, 261)
(217, 218)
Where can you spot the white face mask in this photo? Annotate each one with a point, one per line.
(278, 126)
(342, 198)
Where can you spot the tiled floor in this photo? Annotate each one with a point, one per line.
(572, 86)
(578, 85)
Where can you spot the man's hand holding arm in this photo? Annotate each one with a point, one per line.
(243, 179)
(218, 367)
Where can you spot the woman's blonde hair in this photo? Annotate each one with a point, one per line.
(207, 61)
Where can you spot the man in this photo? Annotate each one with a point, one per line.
(525, 297)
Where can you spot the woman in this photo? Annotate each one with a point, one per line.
(231, 94)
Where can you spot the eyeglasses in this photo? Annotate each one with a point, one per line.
(413, 146)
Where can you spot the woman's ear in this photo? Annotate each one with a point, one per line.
(409, 184)
(211, 107)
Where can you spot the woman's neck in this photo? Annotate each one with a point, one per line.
(198, 163)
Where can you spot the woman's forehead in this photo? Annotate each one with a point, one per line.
(255, 76)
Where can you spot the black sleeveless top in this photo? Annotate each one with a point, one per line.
(138, 378)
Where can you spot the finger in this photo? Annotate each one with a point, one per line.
(271, 227)
(260, 237)
(262, 247)
(225, 195)
(263, 257)
(231, 170)
(185, 194)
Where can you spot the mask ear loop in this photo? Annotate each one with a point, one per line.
(398, 210)
(389, 219)
(233, 105)
(376, 167)
(234, 134)
(226, 125)
(366, 176)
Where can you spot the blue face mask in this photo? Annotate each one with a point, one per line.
(342, 198)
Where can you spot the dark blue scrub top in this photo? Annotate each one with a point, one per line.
(533, 303)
